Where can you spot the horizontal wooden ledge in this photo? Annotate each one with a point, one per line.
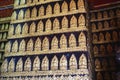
(102, 42)
(1, 31)
(56, 51)
(104, 55)
(2, 50)
(108, 69)
(3, 40)
(49, 32)
(48, 16)
(33, 4)
(45, 73)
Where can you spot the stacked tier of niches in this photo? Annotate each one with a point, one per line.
(47, 41)
(3, 39)
(106, 36)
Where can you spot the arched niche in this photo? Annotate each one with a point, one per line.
(30, 45)
(98, 64)
(101, 37)
(41, 11)
(111, 13)
(14, 16)
(45, 64)
(0, 36)
(34, 12)
(22, 2)
(112, 23)
(57, 8)
(18, 30)
(32, 28)
(28, 1)
(109, 48)
(48, 25)
(11, 30)
(115, 36)
(4, 35)
(35, 1)
(104, 64)
(7, 47)
(118, 12)
(54, 44)
(106, 24)
(102, 49)
(106, 76)
(73, 22)
(19, 65)
(100, 25)
(56, 24)
(63, 63)
(40, 26)
(54, 63)
(21, 14)
(108, 36)
(27, 65)
(37, 45)
(81, 21)
(72, 5)
(96, 50)
(27, 14)
(105, 14)
(63, 42)
(73, 62)
(49, 10)
(81, 5)
(4, 66)
(93, 16)
(95, 37)
(25, 29)
(22, 46)
(93, 26)
(15, 46)
(83, 62)
(64, 7)
(72, 41)
(36, 64)
(99, 76)
(45, 44)
(16, 2)
(64, 23)
(11, 65)
(2, 45)
(99, 15)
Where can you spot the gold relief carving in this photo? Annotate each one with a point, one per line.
(36, 64)
(98, 64)
(28, 1)
(73, 62)
(108, 36)
(35, 1)
(57, 8)
(109, 48)
(107, 76)
(40, 27)
(3, 27)
(14, 15)
(95, 38)
(93, 17)
(27, 14)
(106, 24)
(7, 47)
(41, 11)
(18, 29)
(38, 45)
(16, 2)
(56, 24)
(2, 45)
(34, 12)
(94, 26)
(45, 44)
(99, 76)
(101, 37)
(32, 28)
(15, 46)
(72, 41)
(45, 64)
(48, 25)
(54, 44)
(30, 45)
(41, 1)
(104, 64)
(7, 27)
(11, 65)
(81, 21)
(22, 46)
(25, 29)
(4, 66)
(72, 5)
(19, 66)
(115, 36)
(112, 23)
(4, 35)
(64, 7)
(49, 10)
(118, 12)
(95, 49)
(73, 22)
(99, 15)
(102, 49)
(27, 65)
(63, 42)
(64, 23)
(100, 26)
(81, 5)
(21, 14)
(83, 62)
(111, 13)
(22, 2)
(54, 63)
(105, 14)
(63, 63)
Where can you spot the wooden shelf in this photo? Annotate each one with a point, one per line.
(3, 40)
(2, 50)
(103, 42)
(1, 31)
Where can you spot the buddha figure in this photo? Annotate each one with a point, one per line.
(34, 13)
(73, 22)
(27, 14)
(32, 28)
(72, 41)
(111, 13)
(27, 65)
(45, 64)
(25, 29)
(11, 30)
(36, 64)
(81, 5)
(100, 26)
(112, 23)
(16, 2)
(35, 1)
(95, 38)
(30, 45)
(102, 49)
(99, 15)
(4, 35)
(48, 25)
(63, 63)
(101, 37)
(99, 76)
(105, 14)
(4, 66)
(118, 12)
(22, 46)
(64, 7)
(15, 46)
(2, 45)
(54, 63)
(49, 10)
(64, 23)
(20, 14)
(8, 47)
(37, 45)
(40, 26)
(19, 65)
(72, 5)
(14, 15)
(28, 1)
(54, 44)
(63, 42)
(104, 64)
(18, 30)
(81, 21)
(83, 62)
(57, 8)
(108, 36)
(93, 16)
(22, 2)
(73, 62)
(95, 49)
(56, 24)
(45, 44)
(98, 64)
(41, 11)
(115, 36)
(109, 48)
(11, 65)
(106, 24)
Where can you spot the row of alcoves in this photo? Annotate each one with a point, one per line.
(4, 26)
